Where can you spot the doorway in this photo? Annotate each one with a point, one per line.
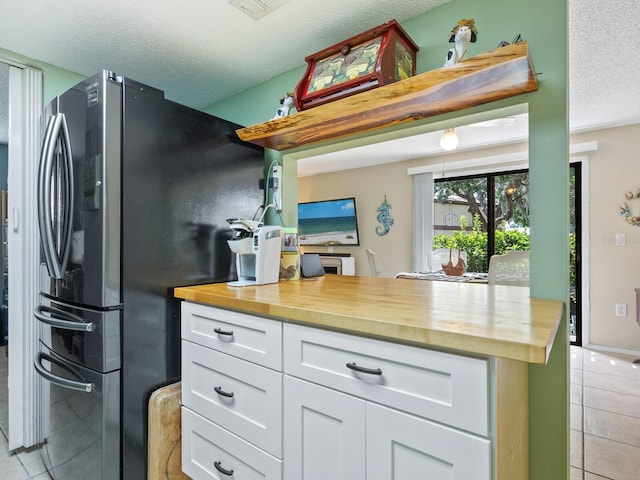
(575, 253)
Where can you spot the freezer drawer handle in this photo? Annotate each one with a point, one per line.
(222, 470)
(56, 380)
(219, 391)
(358, 368)
(219, 331)
(73, 323)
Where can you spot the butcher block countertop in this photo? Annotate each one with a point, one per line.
(500, 321)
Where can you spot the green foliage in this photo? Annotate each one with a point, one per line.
(510, 199)
(475, 244)
(572, 259)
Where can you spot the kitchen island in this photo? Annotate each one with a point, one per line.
(397, 372)
(499, 321)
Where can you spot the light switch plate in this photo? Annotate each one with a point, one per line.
(621, 239)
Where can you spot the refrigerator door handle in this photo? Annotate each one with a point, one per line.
(81, 386)
(66, 224)
(44, 175)
(56, 239)
(72, 322)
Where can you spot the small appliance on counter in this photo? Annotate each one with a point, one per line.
(257, 249)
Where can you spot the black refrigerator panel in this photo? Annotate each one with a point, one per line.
(92, 112)
(87, 337)
(183, 174)
(81, 419)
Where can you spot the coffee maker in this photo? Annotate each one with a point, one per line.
(257, 249)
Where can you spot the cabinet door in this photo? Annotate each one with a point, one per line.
(324, 436)
(404, 447)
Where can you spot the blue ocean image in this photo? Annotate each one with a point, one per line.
(335, 220)
(323, 226)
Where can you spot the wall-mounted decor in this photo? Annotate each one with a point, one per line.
(328, 223)
(379, 56)
(625, 212)
(384, 218)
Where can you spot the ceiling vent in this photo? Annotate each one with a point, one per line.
(257, 9)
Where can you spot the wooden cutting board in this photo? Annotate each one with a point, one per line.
(164, 436)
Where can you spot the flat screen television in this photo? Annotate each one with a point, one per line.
(328, 223)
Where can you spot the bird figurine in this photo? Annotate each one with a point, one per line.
(463, 33)
(287, 105)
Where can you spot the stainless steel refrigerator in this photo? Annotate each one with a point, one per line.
(133, 195)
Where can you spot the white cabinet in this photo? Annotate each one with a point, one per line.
(215, 453)
(231, 395)
(244, 336)
(282, 401)
(448, 388)
(324, 433)
(240, 396)
(338, 265)
(331, 434)
(400, 445)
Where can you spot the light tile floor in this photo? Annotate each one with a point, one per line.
(24, 464)
(604, 417)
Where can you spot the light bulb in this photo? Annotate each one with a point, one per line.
(449, 139)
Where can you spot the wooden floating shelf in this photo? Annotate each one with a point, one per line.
(501, 73)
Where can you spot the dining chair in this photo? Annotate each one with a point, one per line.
(511, 268)
(374, 269)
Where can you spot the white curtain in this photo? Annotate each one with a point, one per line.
(422, 220)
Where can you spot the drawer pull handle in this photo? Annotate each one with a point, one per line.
(219, 391)
(370, 371)
(219, 331)
(222, 470)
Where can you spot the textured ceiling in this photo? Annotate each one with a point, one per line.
(191, 49)
(198, 51)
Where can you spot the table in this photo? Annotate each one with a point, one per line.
(471, 277)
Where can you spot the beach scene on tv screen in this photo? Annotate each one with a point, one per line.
(328, 223)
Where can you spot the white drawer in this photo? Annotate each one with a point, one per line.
(447, 388)
(205, 444)
(242, 397)
(258, 340)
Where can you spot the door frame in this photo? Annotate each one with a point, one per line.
(25, 131)
(585, 246)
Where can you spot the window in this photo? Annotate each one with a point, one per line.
(482, 215)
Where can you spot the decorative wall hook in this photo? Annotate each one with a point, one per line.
(384, 218)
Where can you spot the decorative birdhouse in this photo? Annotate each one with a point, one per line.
(382, 55)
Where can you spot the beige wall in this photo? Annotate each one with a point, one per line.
(369, 186)
(614, 270)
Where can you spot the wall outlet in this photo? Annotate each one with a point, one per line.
(621, 239)
(276, 190)
(621, 309)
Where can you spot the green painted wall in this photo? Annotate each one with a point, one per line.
(544, 25)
